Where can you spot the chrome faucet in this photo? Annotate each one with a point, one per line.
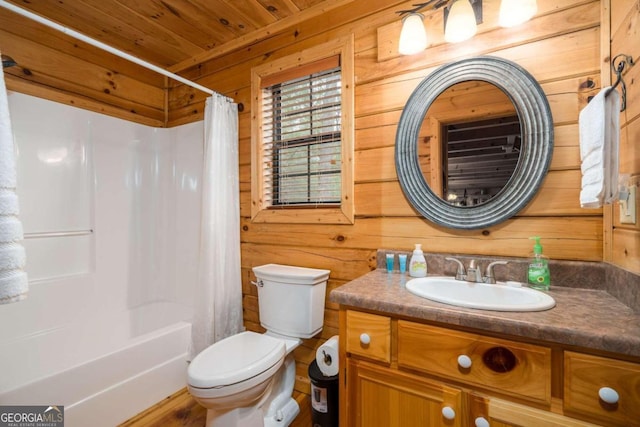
(473, 273)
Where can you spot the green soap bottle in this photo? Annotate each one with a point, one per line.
(538, 274)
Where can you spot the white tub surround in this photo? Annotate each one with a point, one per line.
(111, 215)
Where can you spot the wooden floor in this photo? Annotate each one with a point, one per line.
(180, 410)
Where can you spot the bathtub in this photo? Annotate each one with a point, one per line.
(103, 371)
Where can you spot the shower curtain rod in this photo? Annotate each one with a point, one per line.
(105, 47)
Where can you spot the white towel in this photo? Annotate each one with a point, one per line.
(8, 202)
(599, 147)
(7, 155)
(13, 286)
(12, 256)
(13, 280)
(10, 229)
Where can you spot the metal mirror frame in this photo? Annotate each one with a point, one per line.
(536, 125)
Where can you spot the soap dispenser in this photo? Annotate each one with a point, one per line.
(538, 273)
(417, 265)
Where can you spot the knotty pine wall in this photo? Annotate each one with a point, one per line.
(561, 47)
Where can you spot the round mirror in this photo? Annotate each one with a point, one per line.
(441, 153)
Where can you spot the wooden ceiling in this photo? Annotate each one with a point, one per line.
(173, 34)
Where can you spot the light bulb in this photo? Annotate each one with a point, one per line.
(413, 37)
(515, 12)
(461, 22)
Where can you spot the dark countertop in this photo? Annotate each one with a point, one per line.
(591, 319)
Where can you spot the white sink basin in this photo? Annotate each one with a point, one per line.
(498, 297)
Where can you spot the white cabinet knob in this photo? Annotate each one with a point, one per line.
(608, 395)
(464, 361)
(448, 412)
(365, 339)
(482, 422)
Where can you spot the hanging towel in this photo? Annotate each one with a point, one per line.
(13, 279)
(599, 145)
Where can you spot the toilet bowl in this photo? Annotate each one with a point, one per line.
(247, 380)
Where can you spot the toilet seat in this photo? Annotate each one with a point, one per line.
(236, 359)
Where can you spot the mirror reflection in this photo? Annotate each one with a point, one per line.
(469, 143)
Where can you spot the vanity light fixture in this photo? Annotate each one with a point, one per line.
(461, 18)
(413, 37)
(515, 12)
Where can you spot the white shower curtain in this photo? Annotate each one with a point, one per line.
(218, 295)
(13, 279)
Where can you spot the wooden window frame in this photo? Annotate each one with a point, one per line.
(266, 73)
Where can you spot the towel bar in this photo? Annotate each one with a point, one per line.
(618, 69)
(45, 234)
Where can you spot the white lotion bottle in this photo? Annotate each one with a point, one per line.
(418, 265)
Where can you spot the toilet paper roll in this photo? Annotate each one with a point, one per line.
(327, 357)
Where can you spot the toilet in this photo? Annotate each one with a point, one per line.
(247, 379)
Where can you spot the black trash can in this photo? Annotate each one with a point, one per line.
(324, 398)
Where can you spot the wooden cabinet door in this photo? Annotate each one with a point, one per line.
(383, 397)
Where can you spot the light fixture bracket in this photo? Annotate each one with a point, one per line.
(429, 5)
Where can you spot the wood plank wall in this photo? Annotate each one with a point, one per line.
(560, 47)
(625, 38)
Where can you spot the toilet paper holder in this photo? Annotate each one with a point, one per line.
(326, 358)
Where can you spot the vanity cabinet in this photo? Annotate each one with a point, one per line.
(404, 373)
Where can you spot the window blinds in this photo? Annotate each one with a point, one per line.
(302, 140)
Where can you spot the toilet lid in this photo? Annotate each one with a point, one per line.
(235, 359)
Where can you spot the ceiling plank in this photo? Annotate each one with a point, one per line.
(254, 11)
(181, 17)
(281, 9)
(221, 13)
(303, 4)
(139, 28)
(260, 34)
(30, 30)
(85, 19)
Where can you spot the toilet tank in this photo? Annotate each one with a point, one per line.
(291, 299)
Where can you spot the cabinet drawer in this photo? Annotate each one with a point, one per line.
(369, 335)
(491, 363)
(504, 413)
(586, 375)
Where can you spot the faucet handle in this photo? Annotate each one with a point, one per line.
(488, 276)
(461, 273)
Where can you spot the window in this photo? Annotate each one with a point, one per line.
(302, 137)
